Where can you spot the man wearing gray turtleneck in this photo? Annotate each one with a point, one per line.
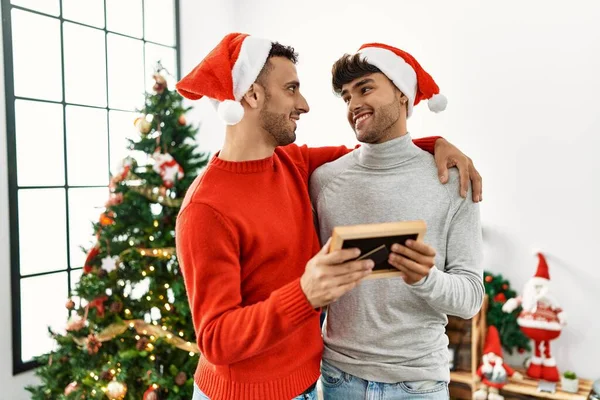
(386, 338)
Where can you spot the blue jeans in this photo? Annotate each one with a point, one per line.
(339, 385)
(198, 395)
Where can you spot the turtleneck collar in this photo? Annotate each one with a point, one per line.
(388, 154)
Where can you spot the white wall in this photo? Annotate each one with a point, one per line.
(522, 82)
(201, 28)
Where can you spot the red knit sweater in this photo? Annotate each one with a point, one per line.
(244, 235)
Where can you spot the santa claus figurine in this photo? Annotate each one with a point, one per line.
(541, 320)
(166, 166)
(493, 373)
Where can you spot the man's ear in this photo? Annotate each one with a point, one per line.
(401, 96)
(254, 95)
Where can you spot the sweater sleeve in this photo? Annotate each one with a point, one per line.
(459, 289)
(317, 156)
(427, 143)
(228, 331)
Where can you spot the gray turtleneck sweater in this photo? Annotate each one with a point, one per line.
(386, 330)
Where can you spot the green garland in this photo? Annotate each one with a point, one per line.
(499, 291)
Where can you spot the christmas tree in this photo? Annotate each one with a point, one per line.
(130, 334)
(499, 291)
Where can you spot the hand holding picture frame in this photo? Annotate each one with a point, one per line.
(375, 242)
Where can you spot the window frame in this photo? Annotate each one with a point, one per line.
(20, 366)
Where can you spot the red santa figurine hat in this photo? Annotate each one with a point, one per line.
(406, 73)
(227, 73)
(542, 275)
(492, 342)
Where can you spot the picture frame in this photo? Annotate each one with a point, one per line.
(375, 242)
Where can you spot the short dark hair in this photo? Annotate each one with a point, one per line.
(277, 50)
(348, 68)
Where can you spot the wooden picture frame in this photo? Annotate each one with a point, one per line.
(375, 241)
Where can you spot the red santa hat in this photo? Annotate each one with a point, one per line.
(541, 275)
(227, 73)
(406, 73)
(492, 342)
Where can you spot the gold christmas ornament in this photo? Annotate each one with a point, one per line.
(142, 125)
(116, 390)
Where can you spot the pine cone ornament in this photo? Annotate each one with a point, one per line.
(142, 343)
(93, 344)
(180, 378)
(116, 307)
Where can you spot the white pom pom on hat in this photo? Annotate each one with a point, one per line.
(437, 103)
(231, 112)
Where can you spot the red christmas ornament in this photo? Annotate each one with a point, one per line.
(500, 298)
(181, 120)
(106, 219)
(505, 286)
(489, 279)
(150, 394)
(87, 267)
(98, 304)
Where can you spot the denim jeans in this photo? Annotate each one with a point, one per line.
(339, 385)
(198, 395)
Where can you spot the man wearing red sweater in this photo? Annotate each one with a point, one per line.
(255, 274)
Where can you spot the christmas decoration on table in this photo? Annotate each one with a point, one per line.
(541, 320)
(493, 373)
(130, 333)
(499, 291)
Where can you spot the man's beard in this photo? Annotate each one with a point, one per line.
(278, 125)
(387, 116)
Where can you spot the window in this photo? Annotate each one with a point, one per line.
(75, 73)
